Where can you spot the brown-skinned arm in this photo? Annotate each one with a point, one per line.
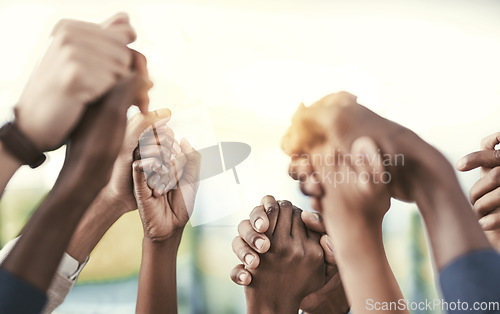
(94, 146)
(157, 280)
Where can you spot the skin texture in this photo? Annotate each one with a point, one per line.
(10, 164)
(165, 208)
(42, 112)
(82, 63)
(292, 268)
(336, 121)
(252, 240)
(337, 135)
(485, 193)
(117, 198)
(92, 151)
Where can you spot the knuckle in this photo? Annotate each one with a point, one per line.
(497, 154)
(297, 253)
(495, 175)
(316, 254)
(285, 203)
(250, 236)
(256, 210)
(282, 250)
(271, 209)
(479, 207)
(243, 224)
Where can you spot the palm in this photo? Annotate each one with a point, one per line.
(169, 212)
(163, 215)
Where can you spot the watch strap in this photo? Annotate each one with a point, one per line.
(20, 146)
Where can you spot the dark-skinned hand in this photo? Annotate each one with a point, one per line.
(251, 241)
(485, 193)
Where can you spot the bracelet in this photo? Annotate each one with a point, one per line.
(20, 146)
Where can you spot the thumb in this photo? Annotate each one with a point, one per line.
(313, 221)
(162, 115)
(141, 188)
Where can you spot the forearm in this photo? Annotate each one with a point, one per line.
(157, 292)
(450, 222)
(260, 303)
(361, 259)
(9, 166)
(96, 221)
(46, 235)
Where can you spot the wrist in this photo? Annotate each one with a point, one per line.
(263, 303)
(115, 202)
(171, 240)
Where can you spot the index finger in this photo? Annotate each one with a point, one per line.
(483, 158)
(270, 206)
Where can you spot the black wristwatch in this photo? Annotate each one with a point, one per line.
(20, 146)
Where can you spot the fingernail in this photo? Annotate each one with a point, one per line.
(316, 215)
(161, 124)
(161, 189)
(461, 163)
(329, 243)
(258, 223)
(259, 243)
(242, 277)
(248, 258)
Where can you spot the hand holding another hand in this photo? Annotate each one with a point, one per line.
(253, 247)
(485, 193)
(166, 179)
(82, 63)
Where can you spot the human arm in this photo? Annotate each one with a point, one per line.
(415, 171)
(485, 193)
(92, 151)
(164, 212)
(418, 172)
(73, 72)
(116, 198)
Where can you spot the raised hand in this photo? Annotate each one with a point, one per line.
(485, 193)
(82, 63)
(165, 194)
(164, 188)
(252, 242)
(325, 133)
(292, 268)
(120, 187)
(91, 153)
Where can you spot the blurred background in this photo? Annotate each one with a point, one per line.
(242, 68)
